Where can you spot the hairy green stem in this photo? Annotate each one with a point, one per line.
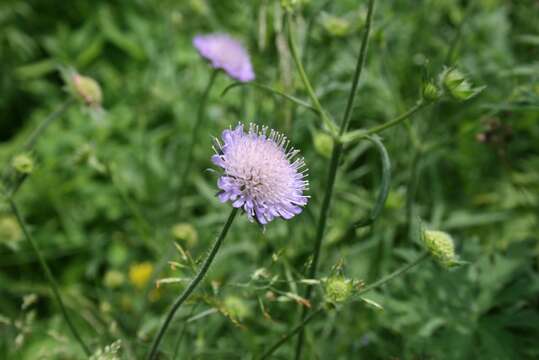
(335, 159)
(366, 289)
(192, 285)
(49, 276)
(200, 119)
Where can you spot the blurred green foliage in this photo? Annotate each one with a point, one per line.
(102, 200)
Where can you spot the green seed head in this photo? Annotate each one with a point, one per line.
(338, 289)
(457, 86)
(441, 247)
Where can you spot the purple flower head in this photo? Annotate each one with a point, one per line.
(261, 174)
(225, 53)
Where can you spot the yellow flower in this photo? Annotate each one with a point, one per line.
(139, 274)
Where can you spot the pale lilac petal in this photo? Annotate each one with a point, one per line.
(261, 175)
(226, 53)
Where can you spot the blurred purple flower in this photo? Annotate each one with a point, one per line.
(260, 173)
(225, 53)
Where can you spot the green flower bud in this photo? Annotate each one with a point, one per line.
(338, 289)
(336, 26)
(10, 231)
(441, 247)
(323, 144)
(236, 308)
(87, 89)
(431, 92)
(23, 163)
(457, 86)
(113, 279)
(185, 232)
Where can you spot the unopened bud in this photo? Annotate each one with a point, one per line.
(236, 307)
(23, 163)
(113, 279)
(441, 247)
(338, 289)
(336, 26)
(457, 85)
(185, 232)
(10, 231)
(87, 89)
(323, 144)
(431, 92)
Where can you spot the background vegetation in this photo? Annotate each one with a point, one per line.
(103, 200)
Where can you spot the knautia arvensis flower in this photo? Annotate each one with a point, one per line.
(262, 174)
(226, 53)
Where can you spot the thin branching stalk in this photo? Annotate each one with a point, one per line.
(32, 139)
(194, 135)
(320, 309)
(335, 159)
(192, 285)
(304, 78)
(360, 134)
(49, 276)
(450, 55)
(291, 98)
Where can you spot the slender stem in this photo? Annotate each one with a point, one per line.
(458, 35)
(394, 274)
(359, 67)
(360, 134)
(194, 135)
(366, 289)
(30, 142)
(271, 91)
(322, 220)
(377, 129)
(50, 277)
(182, 333)
(32, 139)
(291, 333)
(310, 91)
(192, 285)
(334, 164)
